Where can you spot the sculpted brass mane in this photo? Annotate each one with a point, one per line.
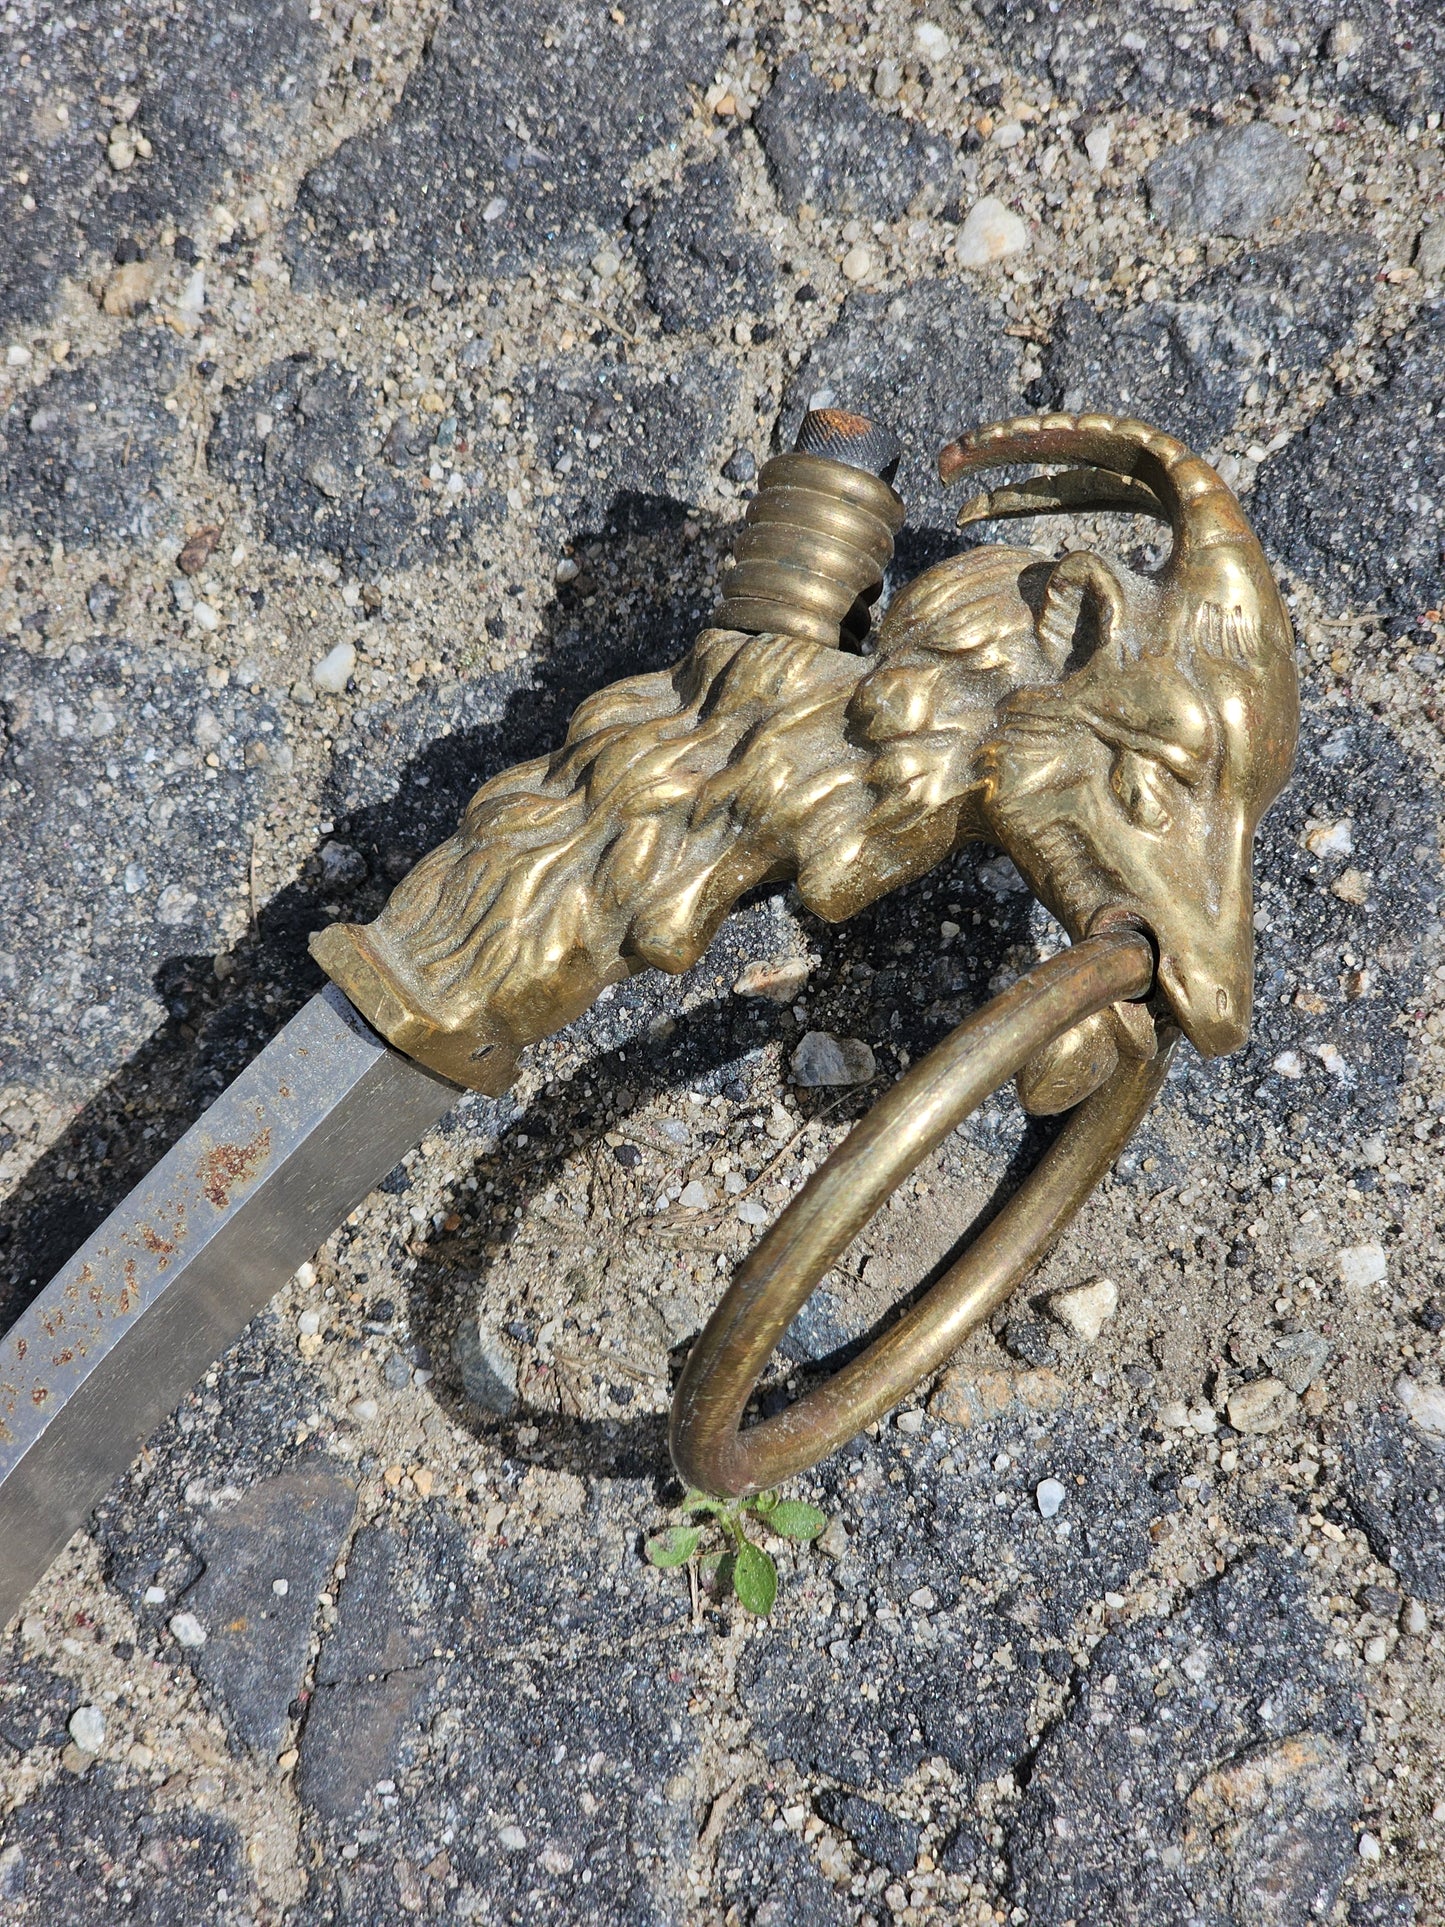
(1119, 735)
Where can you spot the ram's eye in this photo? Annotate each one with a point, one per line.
(1142, 786)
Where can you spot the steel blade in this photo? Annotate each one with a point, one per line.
(178, 1270)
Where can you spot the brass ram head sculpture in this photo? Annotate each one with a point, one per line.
(1118, 735)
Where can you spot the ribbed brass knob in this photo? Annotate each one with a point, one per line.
(818, 536)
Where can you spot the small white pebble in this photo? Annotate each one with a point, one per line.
(280, 1587)
(931, 41)
(924, 1599)
(334, 670)
(1377, 1650)
(187, 1630)
(1361, 1265)
(1289, 1063)
(910, 1421)
(833, 1539)
(693, 1196)
(87, 1728)
(309, 1323)
(1332, 839)
(1097, 143)
(205, 617)
(1263, 1405)
(1369, 1847)
(1085, 1309)
(512, 1839)
(1174, 1414)
(778, 979)
(1115, 1601)
(306, 1275)
(857, 264)
(154, 1595)
(17, 356)
(567, 570)
(990, 233)
(362, 1410)
(1416, 1620)
(1050, 1495)
(1425, 1405)
(606, 263)
(752, 1211)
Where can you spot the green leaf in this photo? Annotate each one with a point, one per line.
(755, 1579)
(762, 1503)
(674, 1547)
(792, 1519)
(715, 1573)
(695, 1501)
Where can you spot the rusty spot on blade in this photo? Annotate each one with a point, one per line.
(225, 1165)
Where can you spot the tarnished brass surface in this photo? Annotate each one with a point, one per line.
(1118, 734)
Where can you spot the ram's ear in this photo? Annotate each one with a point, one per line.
(1084, 614)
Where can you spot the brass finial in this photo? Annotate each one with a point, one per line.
(819, 534)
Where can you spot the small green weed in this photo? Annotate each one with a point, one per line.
(739, 1562)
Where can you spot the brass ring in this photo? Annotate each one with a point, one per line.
(709, 1448)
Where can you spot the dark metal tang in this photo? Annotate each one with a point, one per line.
(176, 1272)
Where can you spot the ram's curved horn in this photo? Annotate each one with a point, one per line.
(1201, 507)
(1075, 491)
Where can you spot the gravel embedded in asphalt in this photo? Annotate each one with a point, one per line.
(375, 385)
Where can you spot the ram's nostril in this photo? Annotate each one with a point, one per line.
(1221, 1001)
